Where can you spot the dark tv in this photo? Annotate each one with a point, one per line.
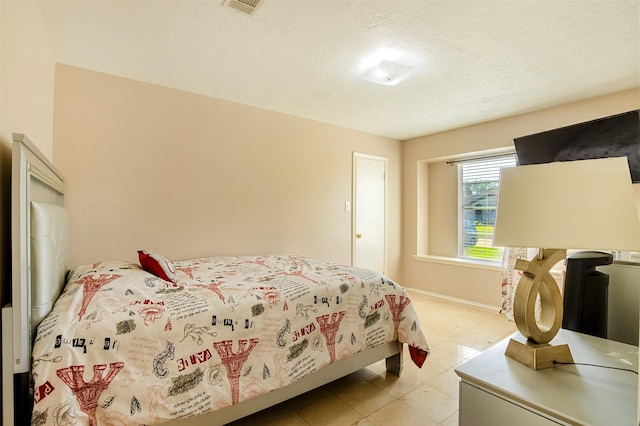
(614, 136)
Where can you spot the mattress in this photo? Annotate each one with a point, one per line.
(123, 346)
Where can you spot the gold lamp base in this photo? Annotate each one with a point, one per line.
(532, 347)
(537, 355)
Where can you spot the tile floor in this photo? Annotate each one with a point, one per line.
(426, 397)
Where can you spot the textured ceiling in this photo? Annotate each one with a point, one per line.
(476, 60)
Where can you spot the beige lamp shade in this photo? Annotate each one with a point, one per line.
(586, 204)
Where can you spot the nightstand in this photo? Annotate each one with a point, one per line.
(497, 390)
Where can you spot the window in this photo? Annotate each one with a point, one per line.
(477, 200)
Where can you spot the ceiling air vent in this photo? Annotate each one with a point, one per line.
(245, 6)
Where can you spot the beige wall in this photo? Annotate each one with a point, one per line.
(188, 175)
(431, 229)
(26, 102)
(26, 75)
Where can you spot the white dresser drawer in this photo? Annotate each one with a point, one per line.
(481, 408)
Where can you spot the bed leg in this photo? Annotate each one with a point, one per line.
(394, 363)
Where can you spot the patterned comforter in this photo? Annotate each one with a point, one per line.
(122, 346)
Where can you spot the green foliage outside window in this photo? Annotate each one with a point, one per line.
(479, 182)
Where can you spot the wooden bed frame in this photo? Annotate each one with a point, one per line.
(37, 276)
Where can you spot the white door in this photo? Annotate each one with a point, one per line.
(369, 212)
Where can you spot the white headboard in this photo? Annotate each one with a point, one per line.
(50, 241)
(37, 191)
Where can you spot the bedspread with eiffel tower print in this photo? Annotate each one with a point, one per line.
(123, 346)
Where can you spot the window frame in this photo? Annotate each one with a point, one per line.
(493, 164)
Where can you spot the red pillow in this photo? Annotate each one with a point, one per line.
(157, 265)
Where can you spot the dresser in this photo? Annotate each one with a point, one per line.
(496, 390)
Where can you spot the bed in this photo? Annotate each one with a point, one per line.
(191, 342)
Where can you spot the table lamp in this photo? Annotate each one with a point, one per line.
(586, 204)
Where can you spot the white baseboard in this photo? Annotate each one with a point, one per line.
(455, 299)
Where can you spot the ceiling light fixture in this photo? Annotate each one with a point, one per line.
(388, 66)
(388, 73)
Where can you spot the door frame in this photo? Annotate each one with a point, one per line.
(354, 203)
